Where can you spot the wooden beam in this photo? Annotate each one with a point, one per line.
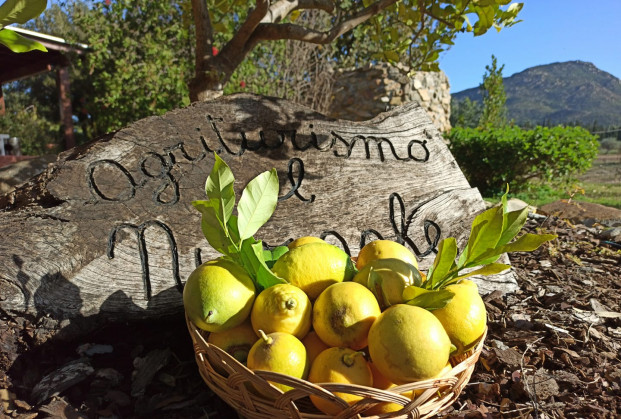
(17, 73)
(66, 112)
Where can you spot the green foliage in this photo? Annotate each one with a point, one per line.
(415, 32)
(610, 145)
(231, 234)
(33, 131)
(492, 234)
(494, 99)
(19, 11)
(29, 119)
(139, 61)
(491, 158)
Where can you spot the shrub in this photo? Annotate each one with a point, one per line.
(492, 158)
(610, 145)
(33, 131)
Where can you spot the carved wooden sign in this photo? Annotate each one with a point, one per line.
(110, 228)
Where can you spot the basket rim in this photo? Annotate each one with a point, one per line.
(420, 406)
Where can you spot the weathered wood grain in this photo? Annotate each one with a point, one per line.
(109, 228)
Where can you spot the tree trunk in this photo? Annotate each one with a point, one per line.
(108, 231)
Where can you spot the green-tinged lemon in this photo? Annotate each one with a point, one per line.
(408, 343)
(314, 266)
(464, 318)
(279, 352)
(282, 308)
(387, 278)
(218, 295)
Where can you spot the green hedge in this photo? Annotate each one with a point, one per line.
(492, 158)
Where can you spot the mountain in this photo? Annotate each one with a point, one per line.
(560, 93)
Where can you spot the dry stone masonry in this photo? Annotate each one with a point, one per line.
(364, 93)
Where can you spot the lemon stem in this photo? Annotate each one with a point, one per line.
(350, 358)
(291, 304)
(267, 339)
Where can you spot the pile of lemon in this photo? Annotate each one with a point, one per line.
(327, 326)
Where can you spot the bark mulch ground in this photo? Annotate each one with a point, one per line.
(553, 350)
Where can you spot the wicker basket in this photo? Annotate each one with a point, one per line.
(233, 383)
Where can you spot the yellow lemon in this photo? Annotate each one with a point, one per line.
(314, 345)
(344, 313)
(218, 295)
(301, 241)
(279, 352)
(387, 278)
(385, 249)
(339, 365)
(381, 382)
(464, 318)
(314, 266)
(236, 341)
(408, 343)
(282, 308)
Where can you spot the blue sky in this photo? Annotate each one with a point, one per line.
(550, 31)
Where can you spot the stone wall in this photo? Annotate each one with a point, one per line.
(363, 93)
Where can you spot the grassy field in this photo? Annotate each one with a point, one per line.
(600, 184)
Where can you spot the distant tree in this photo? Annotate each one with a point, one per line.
(494, 98)
(138, 63)
(609, 144)
(465, 113)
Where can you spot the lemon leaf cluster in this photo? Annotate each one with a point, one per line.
(491, 235)
(232, 234)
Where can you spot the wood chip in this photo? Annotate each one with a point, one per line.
(61, 379)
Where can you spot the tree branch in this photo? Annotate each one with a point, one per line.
(204, 34)
(247, 29)
(281, 9)
(272, 31)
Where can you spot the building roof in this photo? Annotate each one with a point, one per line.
(14, 66)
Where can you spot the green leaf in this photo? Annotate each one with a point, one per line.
(257, 203)
(486, 237)
(410, 292)
(212, 229)
(432, 300)
(391, 56)
(254, 263)
(277, 252)
(513, 223)
(20, 11)
(490, 269)
(219, 188)
(528, 242)
(272, 256)
(17, 43)
(443, 262)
